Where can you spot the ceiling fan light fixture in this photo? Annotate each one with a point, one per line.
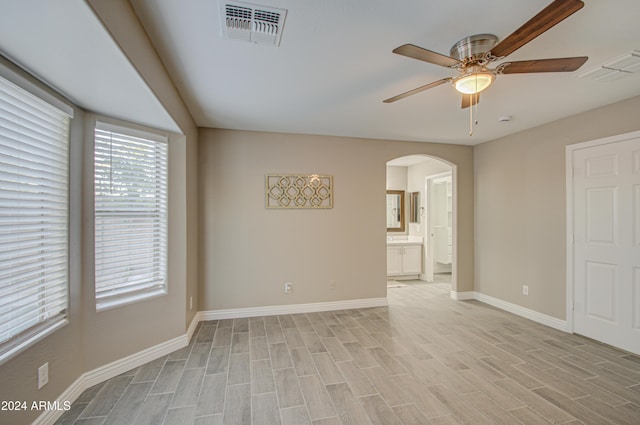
(474, 82)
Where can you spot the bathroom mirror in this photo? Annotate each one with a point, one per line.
(414, 205)
(395, 211)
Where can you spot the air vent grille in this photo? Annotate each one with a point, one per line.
(252, 23)
(615, 69)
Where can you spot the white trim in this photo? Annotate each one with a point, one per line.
(463, 296)
(109, 371)
(149, 134)
(533, 315)
(193, 325)
(235, 313)
(125, 364)
(512, 308)
(569, 151)
(49, 417)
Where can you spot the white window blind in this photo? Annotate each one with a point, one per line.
(130, 215)
(34, 218)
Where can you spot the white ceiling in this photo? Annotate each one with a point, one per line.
(335, 66)
(64, 44)
(332, 70)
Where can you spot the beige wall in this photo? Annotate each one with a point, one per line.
(247, 252)
(520, 206)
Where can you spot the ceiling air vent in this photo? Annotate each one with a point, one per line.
(252, 23)
(615, 69)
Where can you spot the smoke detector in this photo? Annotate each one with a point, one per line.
(251, 22)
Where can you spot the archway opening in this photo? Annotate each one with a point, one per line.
(421, 221)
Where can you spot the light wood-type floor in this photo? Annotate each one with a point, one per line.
(425, 359)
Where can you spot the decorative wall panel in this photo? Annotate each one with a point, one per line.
(298, 191)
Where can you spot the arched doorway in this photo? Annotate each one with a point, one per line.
(421, 248)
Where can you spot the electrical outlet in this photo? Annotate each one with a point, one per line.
(191, 302)
(332, 284)
(43, 375)
(525, 290)
(288, 288)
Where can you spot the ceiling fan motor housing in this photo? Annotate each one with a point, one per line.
(473, 48)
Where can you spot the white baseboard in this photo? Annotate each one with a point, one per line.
(49, 417)
(535, 316)
(462, 296)
(108, 371)
(235, 313)
(120, 366)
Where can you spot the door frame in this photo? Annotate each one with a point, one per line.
(569, 151)
(429, 263)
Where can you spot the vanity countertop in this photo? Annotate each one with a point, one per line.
(415, 240)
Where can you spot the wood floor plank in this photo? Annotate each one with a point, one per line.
(262, 377)
(212, 395)
(575, 409)
(287, 388)
(293, 337)
(240, 342)
(179, 416)
(128, 406)
(296, 416)
(358, 382)
(336, 349)
(258, 348)
(218, 360)
(198, 356)
(327, 368)
(316, 397)
(280, 358)
(264, 409)
(409, 414)
(188, 389)
(237, 406)
(378, 411)
(349, 409)
(239, 369)
(541, 406)
(302, 361)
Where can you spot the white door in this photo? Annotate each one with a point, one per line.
(606, 205)
(439, 226)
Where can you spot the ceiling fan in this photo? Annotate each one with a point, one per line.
(471, 55)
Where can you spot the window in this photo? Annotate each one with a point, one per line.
(34, 217)
(130, 215)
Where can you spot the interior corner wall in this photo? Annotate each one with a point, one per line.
(247, 252)
(520, 206)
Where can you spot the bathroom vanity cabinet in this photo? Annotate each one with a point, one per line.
(404, 258)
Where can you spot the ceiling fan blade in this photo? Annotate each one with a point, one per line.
(544, 65)
(415, 52)
(417, 90)
(550, 16)
(470, 100)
